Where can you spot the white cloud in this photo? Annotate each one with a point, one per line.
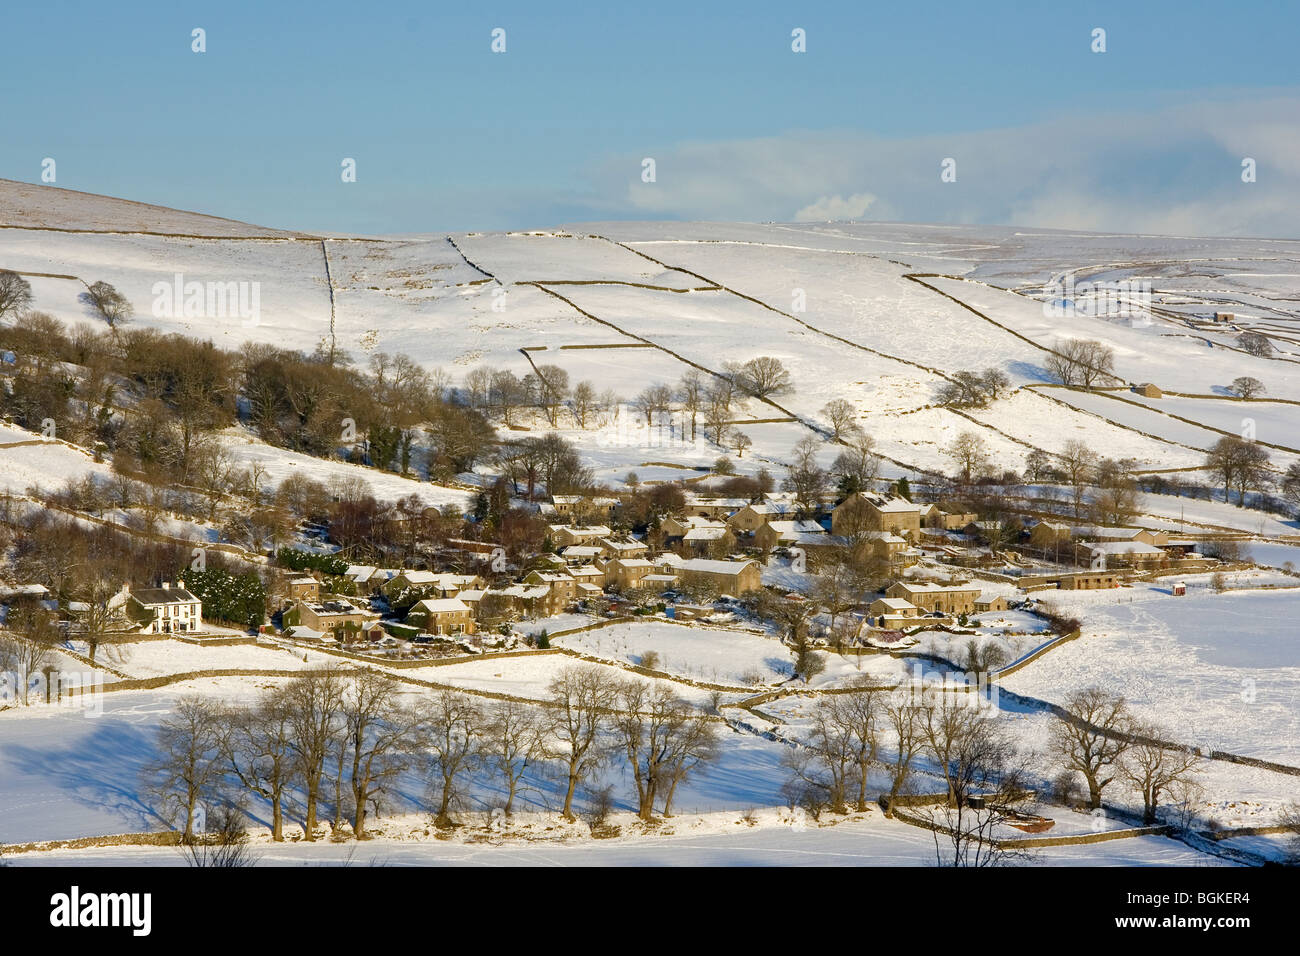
(836, 207)
(1166, 170)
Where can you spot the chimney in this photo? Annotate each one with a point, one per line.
(166, 586)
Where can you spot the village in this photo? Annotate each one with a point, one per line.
(935, 569)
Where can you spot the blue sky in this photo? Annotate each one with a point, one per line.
(1148, 136)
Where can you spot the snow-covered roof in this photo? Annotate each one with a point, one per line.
(793, 528)
(890, 504)
(1110, 534)
(896, 604)
(303, 633)
(705, 534)
(929, 587)
(154, 597)
(443, 605)
(580, 551)
(1124, 547)
(614, 544)
(590, 531)
(715, 567)
(699, 521)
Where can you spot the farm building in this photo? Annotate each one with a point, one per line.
(948, 598)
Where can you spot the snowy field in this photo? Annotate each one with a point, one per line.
(1220, 670)
(156, 658)
(840, 311)
(529, 676)
(702, 653)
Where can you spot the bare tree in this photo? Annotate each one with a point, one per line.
(1095, 740)
(905, 721)
(691, 396)
(983, 657)
(694, 744)
(514, 738)
(1289, 820)
(1240, 464)
(1290, 485)
(27, 649)
(857, 466)
(223, 845)
(15, 293)
(821, 771)
(583, 697)
(188, 767)
(805, 478)
(763, 377)
(971, 454)
(453, 725)
(378, 731)
(584, 403)
(100, 616)
(552, 389)
(717, 418)
(644, 718)
(1152, 769)
(257, 745)
(1079, 463)
(986, 785)
(859, 713)
(108, 302)
(1256, 343)
(1247, 387)
(842, 416)
(1085, 362)
(315, 702)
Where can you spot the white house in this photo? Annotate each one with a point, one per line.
(170, 609)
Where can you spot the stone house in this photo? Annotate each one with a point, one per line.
(868, 511)
(443, 616)
(953, 599)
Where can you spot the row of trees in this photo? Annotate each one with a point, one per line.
(987, 778)
(341, 739)
(854, 733)
(973, 389)
(1101, 741)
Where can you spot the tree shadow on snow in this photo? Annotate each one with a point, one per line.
(100, 771)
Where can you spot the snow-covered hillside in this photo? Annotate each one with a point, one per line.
(878, 314)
